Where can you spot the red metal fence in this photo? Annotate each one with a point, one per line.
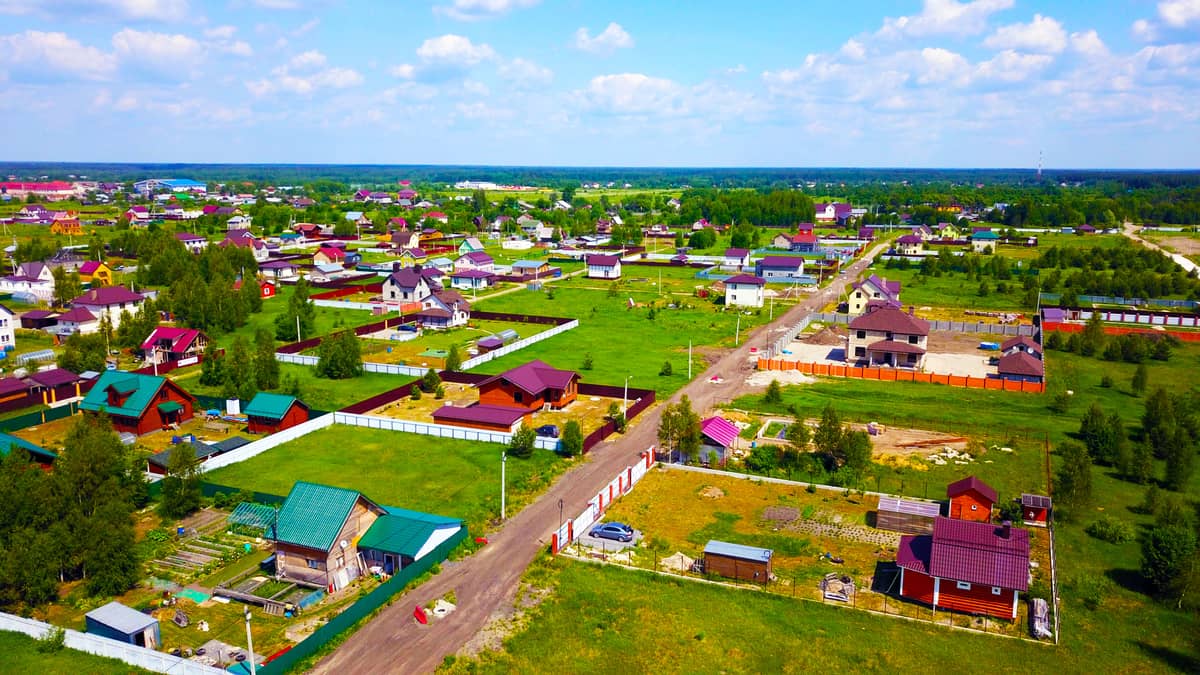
(893, 375)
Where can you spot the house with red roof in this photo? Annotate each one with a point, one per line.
(266, 289)
(971, 499)
(444, 309)
(965, 566)
(110, 301)
(246, 239)
(1021, 366)
(718, 437)
(436, 215)
(888, 336)
(604, 267)
(75, 320)
(744, 290)
(328, 255)
(167, 344)
(505, 400)
(873, 289)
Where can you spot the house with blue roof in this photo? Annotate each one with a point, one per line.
(329, 536)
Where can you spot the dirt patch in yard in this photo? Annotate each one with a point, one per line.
(897, 443)
(827, 336)
(962, 343)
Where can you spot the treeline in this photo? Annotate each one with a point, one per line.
(75, 523)
(1124, 271)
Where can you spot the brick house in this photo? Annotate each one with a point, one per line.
(888, 336)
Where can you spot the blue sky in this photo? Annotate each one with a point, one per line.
(938, 83)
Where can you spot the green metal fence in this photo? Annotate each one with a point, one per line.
(37, 417)
(361, 609)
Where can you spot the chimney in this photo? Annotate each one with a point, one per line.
(911, 309)
(1006, 530)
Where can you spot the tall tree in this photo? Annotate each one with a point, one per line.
(67, 286)
(828, 437)
(1073, 487)
(572, 439)
(522, 442)
(181, 486)
(1180, 453)
(1140, 379)
(340, 356)
(299, 308)
(266, 367)
(453, 360)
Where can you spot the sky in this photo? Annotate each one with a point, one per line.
(905, 83)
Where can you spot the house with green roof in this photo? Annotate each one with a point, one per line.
(329, 536)
(984, 241)
(269, 413)
(138, 403)
(36, 453)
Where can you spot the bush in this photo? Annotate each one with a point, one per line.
(415, 393)
(666, 369)
(1091, 590)
(1112, 530)
(1106, 382)
(1010, 510)
(53, 641)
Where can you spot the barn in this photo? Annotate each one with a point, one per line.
(909, 516)
(971, 567)
(124, 624)
(735, 561)
(1035, 510)
(271, 413)
(138, 403)
(971, 499)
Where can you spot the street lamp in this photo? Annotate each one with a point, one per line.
(625, 395)
(503, 465)
(249, 641)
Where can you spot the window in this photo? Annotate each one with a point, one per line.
(912, 339)
(162, 395)
(962, 585)
(996, 590)
(313, 564)
(974, 507)
(518, 397)
(860, 351)
(862, 335)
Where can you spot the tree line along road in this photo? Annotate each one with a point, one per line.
(485, 583)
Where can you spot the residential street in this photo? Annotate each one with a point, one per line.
(486, 583)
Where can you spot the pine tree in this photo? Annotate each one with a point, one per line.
(430, 381)
(1140, 377)
(453, 360)
(522, 442)
(774, 394)
(181, 486)
(299, 306)
(1141, 463)
(828, 437)
(572, 439)
(340, 356)
(1181, 459)
(266, 367)
(1073, 486)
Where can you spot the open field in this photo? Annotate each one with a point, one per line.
(318, 393)
(379, 347)
(951, 290)
(443, 476)
(20, 655)
(623, 341)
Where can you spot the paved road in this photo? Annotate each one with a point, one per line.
(1130, 230)
(486, 583)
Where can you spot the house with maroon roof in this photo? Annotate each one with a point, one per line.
(867, 233)
(279, 270)
(604, 267)
(169, 344)
(971, 499)
(95, 272)
(873, 289)
(1021, 366)
(1021, 343)
(33, 279)
(833, 212)
(192, 242)
(138, 216)
(329, 255)
(471, 279)
(736, 257)
(910, 244)
(14, 394)
(475, 260)
(75, 320)
(408, 284)
(976, 568)
(505, 400)
(888, 336)
(744, 290)
(781, 268)
(37, 319)
(53, 385)
(110, 301)
(245, 239)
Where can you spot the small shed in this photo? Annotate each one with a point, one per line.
(971, 499)
(908, 516)
(124, 624)
(748, 563)
(1035, 510)
(271, 413)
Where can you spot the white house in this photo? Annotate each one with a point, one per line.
(192, 242)
(744, 290)
(406, 285)
(604, 267)
(8, 323)
(111, 301)
(77, 320)
(238, 223)
(32, 278)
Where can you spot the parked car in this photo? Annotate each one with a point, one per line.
(547, 431)
(615, 531)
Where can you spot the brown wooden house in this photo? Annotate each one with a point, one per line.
(138, 403)
(735, 561)
(269, 413)
(530, 386)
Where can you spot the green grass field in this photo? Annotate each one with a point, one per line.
(443, 476)
(19, 654)
(623, 341)
(599, 616)
(318, 393)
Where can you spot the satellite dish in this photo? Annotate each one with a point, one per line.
(344, 543)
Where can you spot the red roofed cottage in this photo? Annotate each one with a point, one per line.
(971, 499)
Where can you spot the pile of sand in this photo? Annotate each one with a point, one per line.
(826, 336)
(712, 492)
(763, 378)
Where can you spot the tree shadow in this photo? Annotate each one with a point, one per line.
(1131, 580)
(1173, 658)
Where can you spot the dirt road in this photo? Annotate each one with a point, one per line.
(1131, 231)
(485, 583)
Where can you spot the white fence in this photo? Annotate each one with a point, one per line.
(519, 344)
(263, 444)
(439, 430)
(368, 366)
(134, 655)
(618, 486)
(344, 304)
(298, 359)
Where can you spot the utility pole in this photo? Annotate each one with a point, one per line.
(297, 328)
(503, 465)
(689, 360)
(737, 331)
(249, 642)
(625, 396)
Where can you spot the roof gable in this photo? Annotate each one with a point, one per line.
(271, 406)
(958, 487)
(313, 514)
(890, 319)
(720, 430)
(138, 390)
(534, 377)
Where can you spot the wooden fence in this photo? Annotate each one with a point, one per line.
(894, 375)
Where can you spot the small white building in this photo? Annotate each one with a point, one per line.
(744, 290)
(8, 324)
(604, 267)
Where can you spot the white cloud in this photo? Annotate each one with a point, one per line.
(1012, 66)
(1088, 43)
(35, 54)
(308, 60)
(1179, 13)
(612, 38)
(306, 27)
(474, 10)
(632, 94)
(148, 49)
(454, 50)
(1144, 30)
(220, 32)
(221, 39)
(942, 65)
(941, 17)
(238, 48)
(133, 10)
(279, 4)
(1043, 34)
(853, 50)
(525, 73)
(404, 71)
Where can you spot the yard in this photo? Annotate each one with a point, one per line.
(624, 341)
(319, 393)
(443, 476)
(429, 347)
(21, 656)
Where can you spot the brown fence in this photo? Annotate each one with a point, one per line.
(297, 347)
(892, 375)
(368, 404)
(1157, 329)
(520, 318)
(347, 290)
(645, 398)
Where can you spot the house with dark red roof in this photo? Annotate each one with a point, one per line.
(54, 385)
(977, 568)
(110, 301)
(833, 212)
(168, 344)
(736, 257)
(328, 255)
(444, 309)
(604, 267)
(192, 242)
(910, 244)
(744, 290)
(888, 336)
(1021, 366)
(506, 399)
(971, 499)
(873, 289)
(1021, 343)
(782, 268)
(475, 260)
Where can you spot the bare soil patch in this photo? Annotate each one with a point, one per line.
(1182, 245)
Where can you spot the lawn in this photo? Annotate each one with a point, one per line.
(318, 393)
(411, 351)
(952, 289)
(595, 614)
(624, 341)
(328, 319)
(20, 655)
(443, 476)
